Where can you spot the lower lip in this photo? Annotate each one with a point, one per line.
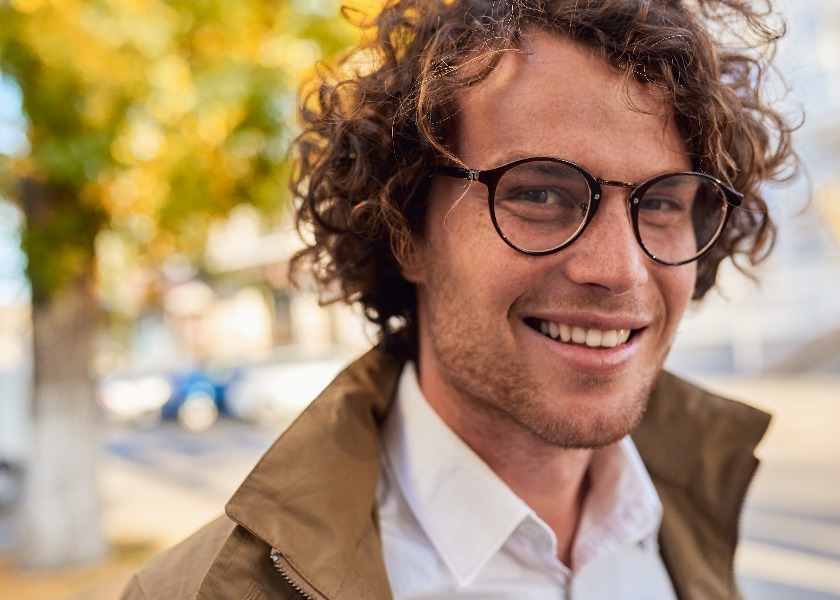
(598, 361)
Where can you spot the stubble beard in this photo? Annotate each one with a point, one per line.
(490, 388)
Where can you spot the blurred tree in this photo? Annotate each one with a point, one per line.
(146, 120)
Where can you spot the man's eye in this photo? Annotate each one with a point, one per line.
(662, 205)
(539, 196)
(544, 196)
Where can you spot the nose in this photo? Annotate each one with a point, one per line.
(607, 253)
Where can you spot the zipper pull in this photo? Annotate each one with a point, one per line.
(292, 577)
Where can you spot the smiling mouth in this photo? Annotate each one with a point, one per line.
(593, 338)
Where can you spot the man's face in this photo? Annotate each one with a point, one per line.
(484, 363)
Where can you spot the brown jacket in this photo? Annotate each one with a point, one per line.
(304, 523)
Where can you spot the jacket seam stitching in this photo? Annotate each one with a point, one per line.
(216, 562)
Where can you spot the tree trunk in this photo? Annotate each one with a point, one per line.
(61, 516)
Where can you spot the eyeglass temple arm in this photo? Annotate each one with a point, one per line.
(735, 198)
(471, 174)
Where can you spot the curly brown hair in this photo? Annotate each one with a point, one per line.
(375, 127)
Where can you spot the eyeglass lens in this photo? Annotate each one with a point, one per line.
(541, 205)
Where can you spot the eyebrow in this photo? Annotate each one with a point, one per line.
(675, 182)
(555, 169)
(514, 155)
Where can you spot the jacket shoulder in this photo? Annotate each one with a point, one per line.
(177, 573)
(699, 450)
(699, 442)
(683, 416)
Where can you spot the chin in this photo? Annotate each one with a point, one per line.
(588, 423)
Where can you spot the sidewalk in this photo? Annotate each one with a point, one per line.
(158, 512)
(102, 581)
(138, 526)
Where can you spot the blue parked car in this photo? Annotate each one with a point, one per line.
(198, 397)
(194, 397)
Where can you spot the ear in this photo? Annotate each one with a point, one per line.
(414, 254)
(414, 267)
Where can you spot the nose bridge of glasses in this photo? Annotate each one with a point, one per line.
(627, 185)
(599, 194)
(604, 211)
(624, 185)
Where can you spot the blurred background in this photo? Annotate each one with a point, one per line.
(151, 347)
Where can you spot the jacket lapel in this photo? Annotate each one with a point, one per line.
(698, 449)
(327, 526)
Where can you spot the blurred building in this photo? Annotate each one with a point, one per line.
(790, 320)
(241, 308)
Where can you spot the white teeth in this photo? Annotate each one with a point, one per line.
(565, 332)
(594, 338)
(610, 339)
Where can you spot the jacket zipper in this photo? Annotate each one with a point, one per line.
(293, 578)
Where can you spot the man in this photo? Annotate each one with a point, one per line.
(524, 196)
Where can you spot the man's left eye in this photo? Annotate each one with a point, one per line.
(540, 196)
(662, 205)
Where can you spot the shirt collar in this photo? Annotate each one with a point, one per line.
(622, 507)
(466, 511)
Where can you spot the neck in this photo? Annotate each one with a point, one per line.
(550, 479)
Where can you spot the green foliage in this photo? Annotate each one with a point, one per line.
(150, 119)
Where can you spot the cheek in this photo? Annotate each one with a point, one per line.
(677, 287)
(443, 221)
(458, 233)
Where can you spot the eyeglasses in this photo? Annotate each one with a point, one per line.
(541, 205)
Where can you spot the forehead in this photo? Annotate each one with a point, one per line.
(554, 97)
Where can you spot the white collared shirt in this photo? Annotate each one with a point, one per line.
(452, 529)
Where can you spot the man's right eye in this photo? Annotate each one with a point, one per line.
(555, 207)
(545, 196)
(662, 205)
(538, 196)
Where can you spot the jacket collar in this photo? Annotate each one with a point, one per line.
(697, 447)
(313, 494)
